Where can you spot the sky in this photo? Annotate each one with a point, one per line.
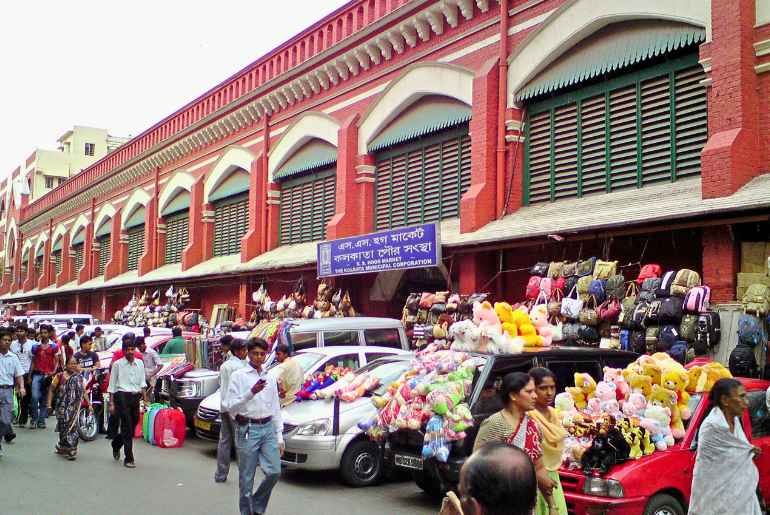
(124, 66)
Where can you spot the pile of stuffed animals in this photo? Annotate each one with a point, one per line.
(149, 310)
(431, 394)
(646, 403)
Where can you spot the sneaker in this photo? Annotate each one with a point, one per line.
(129, 465)
(220, 479)
(10, 437)
(116, 454)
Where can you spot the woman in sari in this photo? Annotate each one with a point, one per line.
(513, 425)
(552, 437)
(725, 477)
(70, 394)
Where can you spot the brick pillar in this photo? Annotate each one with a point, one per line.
(731, 157)
(208, 232)
(721, 262)
(243, 291)
(46, 274)
(67, 264)
(29, 273)
(251, 243)
(346, 220)
(118, 262)
(477, 207)
(148, 261)
(273, 210)
(85, 273)
(365, 177)
(193, 253)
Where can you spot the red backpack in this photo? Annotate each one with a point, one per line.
(650, 271)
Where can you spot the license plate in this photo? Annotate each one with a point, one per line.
(410, 462)
(203, 424)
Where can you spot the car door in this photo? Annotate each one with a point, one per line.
(759, 422)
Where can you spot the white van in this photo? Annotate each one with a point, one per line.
(62, 319)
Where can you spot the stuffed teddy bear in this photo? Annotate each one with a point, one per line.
(504, 313)
(635, 404)
(434, 444)
(702, 378)
(657, 421)
(583, 389)
(677, 380)
(640, 384)
(465, 335)
(667, 399)
(605, 391)
(611, 407)
(653, 371)
(539, 317)
(615, 376)
(526, 329)
(484, 313)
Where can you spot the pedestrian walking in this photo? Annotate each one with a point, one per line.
(152, 364)
(69, 386)
(22, 347)
(290, 375)
(127, 386)
(11, 373)
(497, 479)
(252, 400)
(725, 477)
(236, 361)
(45, 359)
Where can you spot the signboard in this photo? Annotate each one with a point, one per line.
(397, 249)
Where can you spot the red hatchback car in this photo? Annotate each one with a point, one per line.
(659, 484)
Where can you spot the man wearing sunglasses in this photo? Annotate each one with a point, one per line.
(252, 400)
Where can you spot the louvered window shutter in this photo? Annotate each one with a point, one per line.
(177, 236)
(78, 258)
(38, 266)
(422, 181)
(57, 261)
(231, 220)
(105, 251)
(135, 246)
(639, 128)
(307, 204)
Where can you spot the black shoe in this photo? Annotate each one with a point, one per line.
(116, 454)
(10, 437)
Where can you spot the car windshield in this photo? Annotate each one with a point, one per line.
(692, 405)
(385, 371)
(306, 360)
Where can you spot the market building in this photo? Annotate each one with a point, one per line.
(562, 129)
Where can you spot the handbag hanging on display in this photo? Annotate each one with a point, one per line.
(554, 305)
(571, 305)
(588, 314)
(609, 310)
(540, 269)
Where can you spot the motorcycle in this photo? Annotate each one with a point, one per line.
(92, 413)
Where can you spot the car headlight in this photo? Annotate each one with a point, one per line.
(188, 389)
(602, 487)
(318, 427)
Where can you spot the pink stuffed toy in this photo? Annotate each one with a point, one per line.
(484, 312)
(539, 316)
(605, 391)
(635, 405)
(615, 376)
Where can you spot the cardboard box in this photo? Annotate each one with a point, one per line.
(754, 256)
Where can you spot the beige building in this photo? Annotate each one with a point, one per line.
(79, 148)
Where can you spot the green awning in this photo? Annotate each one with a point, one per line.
(429, 114)
(314, 154)
(610, 49)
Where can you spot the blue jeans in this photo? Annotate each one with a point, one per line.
(39, 403)
(257, 445)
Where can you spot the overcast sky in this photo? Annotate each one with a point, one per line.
(125, 65)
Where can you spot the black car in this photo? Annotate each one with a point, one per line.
(403, 449)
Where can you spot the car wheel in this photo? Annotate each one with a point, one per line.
(664, 504)
(361, 464)
(428, 483)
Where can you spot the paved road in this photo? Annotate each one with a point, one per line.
(171, 482)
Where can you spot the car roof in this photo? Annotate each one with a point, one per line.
(561, 352)
(339, 350)
(343, 324)
(754, 384)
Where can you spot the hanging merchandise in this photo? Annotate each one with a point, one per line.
(147, 310)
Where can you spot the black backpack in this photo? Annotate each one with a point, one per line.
(664, 290)
(668, 336)
(639, 315)
(742, 362)
(708, 330)
(670, 310)
(678, 351)
(649, 287)
(637, 342)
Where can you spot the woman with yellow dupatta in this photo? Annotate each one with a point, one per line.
(552, 439)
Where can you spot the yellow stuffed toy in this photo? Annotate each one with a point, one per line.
(640, 384)
(702, 378)
(525, 329)
(584, 388)
(504, 312)
(677, 381)
(653, 371)
(667, 399)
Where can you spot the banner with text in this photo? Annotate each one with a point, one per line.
(397, 249)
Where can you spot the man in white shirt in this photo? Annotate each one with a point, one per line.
(252, 400)
(152, 363)
(11, 374)
(236, 361)
(127, 384)
(22, 347)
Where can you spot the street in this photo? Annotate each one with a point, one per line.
(171, 481)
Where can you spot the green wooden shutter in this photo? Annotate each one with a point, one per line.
(135, 246)
(38, 266)
(639, 128)
(78, 257)
(57, 261)
(231, 220)
(177, 236)
(105, 251)
(307, 204)
(422, 181)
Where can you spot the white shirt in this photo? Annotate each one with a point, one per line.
(24, 353)
(225, 373)
(10, 369)
(151, 361)
(127, 376)
(240, 400)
